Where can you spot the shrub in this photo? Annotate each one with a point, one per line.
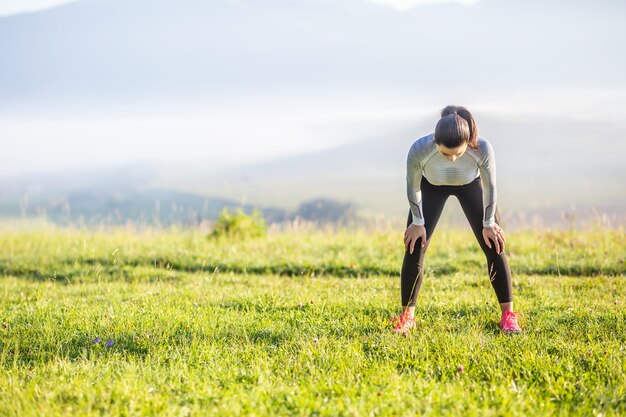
(238, 225)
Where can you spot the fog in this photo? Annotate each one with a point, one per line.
(224, 85)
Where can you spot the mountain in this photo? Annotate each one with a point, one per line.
(115, 196)
(543, 164)
(549, 170)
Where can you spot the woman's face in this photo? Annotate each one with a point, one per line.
(451, 154)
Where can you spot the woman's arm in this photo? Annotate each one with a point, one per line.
(413, 184)
(488, 180)
(416, 230)
(492, 232)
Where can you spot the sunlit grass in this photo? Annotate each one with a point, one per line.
(80, 256)
(210, 328)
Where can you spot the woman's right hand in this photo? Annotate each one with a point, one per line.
(412, 234)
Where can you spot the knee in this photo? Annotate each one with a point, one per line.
(418, 249)
(492, 254)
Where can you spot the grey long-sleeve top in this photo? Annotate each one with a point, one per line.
(424, 159)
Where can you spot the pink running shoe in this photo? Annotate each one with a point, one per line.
(402, 324)
(508, 323)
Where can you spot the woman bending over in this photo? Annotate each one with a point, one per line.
(453, 161)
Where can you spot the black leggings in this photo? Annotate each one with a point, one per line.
(471, 198)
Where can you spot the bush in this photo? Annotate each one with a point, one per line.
(238, 225)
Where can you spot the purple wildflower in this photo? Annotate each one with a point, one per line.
(110, 343)
(461, 369)
(96, 340)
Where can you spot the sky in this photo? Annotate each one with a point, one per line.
(12, 7)
(403, 5)
(245, 92)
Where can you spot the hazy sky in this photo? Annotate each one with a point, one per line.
(402, 5)
(11, 7)
(270, 78)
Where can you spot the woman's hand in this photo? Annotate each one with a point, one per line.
(412, 233)
(494, 234)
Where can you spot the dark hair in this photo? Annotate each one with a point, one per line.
(456, 127)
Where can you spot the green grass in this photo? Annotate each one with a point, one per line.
(297, 324)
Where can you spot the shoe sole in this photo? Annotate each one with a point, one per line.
(403, 332)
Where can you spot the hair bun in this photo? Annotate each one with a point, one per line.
(448, 110)
(464, 114)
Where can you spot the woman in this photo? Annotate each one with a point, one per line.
(453, 161)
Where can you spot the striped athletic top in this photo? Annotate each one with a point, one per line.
(425, 160)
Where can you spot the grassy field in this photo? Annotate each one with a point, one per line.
(168, 323)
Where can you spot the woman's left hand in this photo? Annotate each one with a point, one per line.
(494, 234)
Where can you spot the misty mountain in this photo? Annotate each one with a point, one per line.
(542, 164)
(116, 196)
(537, 176)
(158, 49)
